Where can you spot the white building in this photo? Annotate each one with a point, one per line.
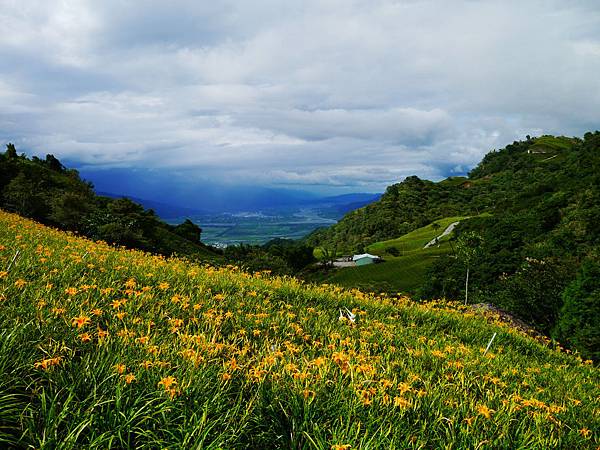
(364, 259)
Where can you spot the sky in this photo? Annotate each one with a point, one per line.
(328, 96)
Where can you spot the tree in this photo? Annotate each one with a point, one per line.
(579, 320)
(24, 197)
(329, 255)
(297, 255)
(467, 249)
(122, 234)
(54, 164)
(11, 151)
(189, 230)
(69, 210)
(255, 259)
(127, 223)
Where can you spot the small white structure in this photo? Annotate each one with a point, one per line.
(364, 259)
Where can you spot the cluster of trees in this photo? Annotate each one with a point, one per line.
(403, 207)
(504, 178)
(45, 190)
(280, 256)
(538, 254)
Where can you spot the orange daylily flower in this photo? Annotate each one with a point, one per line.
(80, 321)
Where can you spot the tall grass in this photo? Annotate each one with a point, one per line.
(109, 348)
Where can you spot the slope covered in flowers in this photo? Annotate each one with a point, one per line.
(110, 348)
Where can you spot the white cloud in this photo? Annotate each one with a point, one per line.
(353, 93)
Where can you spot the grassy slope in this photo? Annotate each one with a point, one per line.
(102, 348)
(415, 240)
(553, 143)
(403, 273)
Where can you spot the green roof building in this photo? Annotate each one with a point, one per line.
(365, 258)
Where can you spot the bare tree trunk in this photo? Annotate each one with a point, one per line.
(467, 287)
(334, 254)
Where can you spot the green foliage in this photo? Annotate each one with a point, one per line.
(11, 151)
(24, 196)
(45, 190)
(534, 291)
(279, 256)
(253, 258)
(126, 223)
(467, 247)
(54, 164)
(535, 200)
(296, 254)
(188, 230)
(70, 209)
(90, 335)
(579, 321)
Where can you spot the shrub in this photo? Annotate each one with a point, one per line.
(579, 321)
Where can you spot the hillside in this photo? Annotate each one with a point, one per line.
(110, 348)
(509, 179)
(45, 190)
(404, 207)
(415, 241)
(405, 265)
(537, 204)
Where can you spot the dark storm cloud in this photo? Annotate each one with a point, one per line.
(315, 93)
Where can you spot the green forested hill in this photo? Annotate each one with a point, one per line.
(511, 178)
(404, 207)
(538, 243)
(539, 253)
(45, 190)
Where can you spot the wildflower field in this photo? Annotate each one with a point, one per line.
(111, 348)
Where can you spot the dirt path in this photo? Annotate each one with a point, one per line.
(446, 232)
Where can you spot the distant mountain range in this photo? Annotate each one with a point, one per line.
(162, 188)
(255, 199)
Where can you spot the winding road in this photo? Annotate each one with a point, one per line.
(446, 232)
